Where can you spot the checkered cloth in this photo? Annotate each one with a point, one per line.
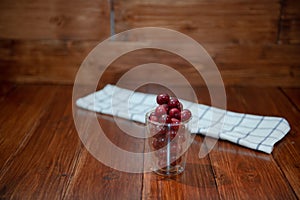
(252, 131)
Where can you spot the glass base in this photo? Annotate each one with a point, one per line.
(170, 171)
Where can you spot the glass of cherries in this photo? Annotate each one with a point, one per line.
(168, 129)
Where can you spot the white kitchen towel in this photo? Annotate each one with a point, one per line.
(252, 131)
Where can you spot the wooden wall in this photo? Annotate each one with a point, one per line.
(253, 42)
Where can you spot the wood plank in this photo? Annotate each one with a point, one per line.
(43, 168)
(255, 53)
(104, 180)
(290, 22)
(56, 61)
(241, 174)
(294, 96)
(205, 21)
(20, 113)
(55, 19)
(286, 153)
(5, 88)
(269, 65)
(94, 180)
(260, 65)
(61, 168)
(245, 174)
(42, 61)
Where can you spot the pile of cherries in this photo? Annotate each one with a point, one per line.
(166, 128)
(169, 110)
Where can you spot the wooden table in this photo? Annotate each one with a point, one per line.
(42, 156)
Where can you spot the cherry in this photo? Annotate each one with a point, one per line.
(175, 124)
(162, 99)
(158, 131)
(165, 119)
(173, 103)
(161, 110)
(161, 153)
(175, 113)
(171, 134)
(159, 142)
(161, 132)
(176, 162)
(185, 115)
(153, 117)
(166, 107)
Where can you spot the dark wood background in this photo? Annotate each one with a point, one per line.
(253, 42)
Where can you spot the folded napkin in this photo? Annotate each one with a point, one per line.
(252, 131)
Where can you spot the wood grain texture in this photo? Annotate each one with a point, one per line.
(294, 96)
(256, 174)
(43, 61)
(43, 158)
(290, 22)
(238, 64)
(55, 19)
(5, 88)
(260, 65)
(43, 166)
(287, 154)
(242, 37)
(20, 114)
(93, 179)
(58, 61)
(206, 21)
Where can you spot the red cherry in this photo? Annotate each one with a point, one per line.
(160, 110)
(173, 103)
(159, 142)
(171, 134)
(185, 115)
(175, 113)
(161, 153)
(175, 124)
(165, 119)
(153, 117)
(166, 107)
(156, 129)
(176, 162)
(160, 132)
(162, 99)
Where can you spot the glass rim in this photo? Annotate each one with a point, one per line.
(165, 124)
